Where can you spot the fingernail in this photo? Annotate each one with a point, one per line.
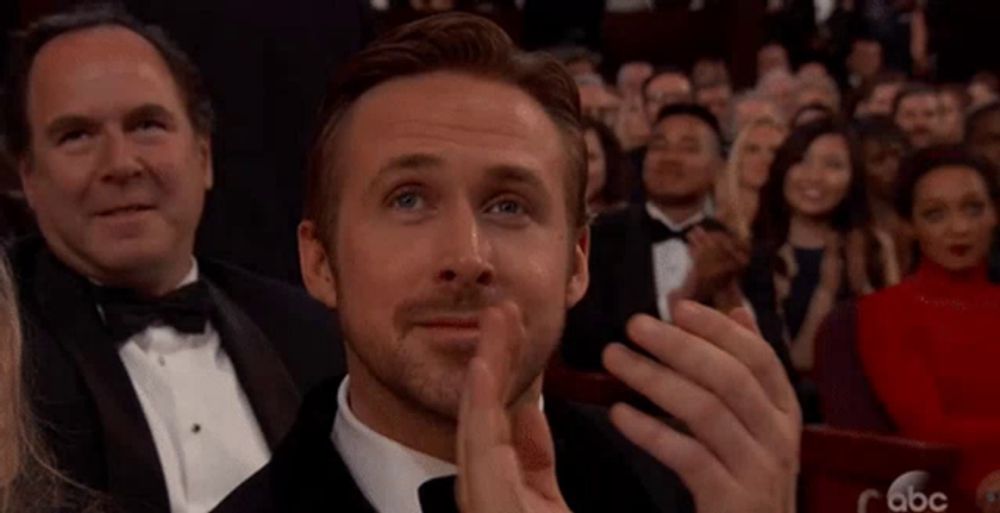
(643, 326)
(688, 307)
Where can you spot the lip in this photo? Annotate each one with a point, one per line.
(457, 323)
(453, 333)
(812, 193)
(124, 210)
(960, 250)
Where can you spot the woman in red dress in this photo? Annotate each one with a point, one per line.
(931, 345)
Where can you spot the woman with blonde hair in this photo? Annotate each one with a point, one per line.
(737, 188)
(21, 467)
(28, 484)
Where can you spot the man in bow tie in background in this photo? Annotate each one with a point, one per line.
(646, 257)
(158, 378)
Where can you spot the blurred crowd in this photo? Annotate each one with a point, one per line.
(846, 196)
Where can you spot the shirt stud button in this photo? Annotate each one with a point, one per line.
(196, 428)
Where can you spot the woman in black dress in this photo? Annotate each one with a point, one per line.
(814, 242)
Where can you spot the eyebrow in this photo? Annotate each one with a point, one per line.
(402, 164)
(74, 121)
(501, 173)
(66, 123)
(508, 173)
(964, 198)
(148, 110)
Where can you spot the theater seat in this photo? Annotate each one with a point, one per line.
(587, 387)
(855, 450)
(839, 466)
(845, 394)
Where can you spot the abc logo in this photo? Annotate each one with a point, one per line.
(908, 495)
(917, 502)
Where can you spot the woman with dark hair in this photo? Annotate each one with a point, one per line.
(609, 173)
(929, 345)
(883, 146)
(813, 240)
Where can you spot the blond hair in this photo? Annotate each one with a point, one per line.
(733, 210)
(28, 482)
(14, 435)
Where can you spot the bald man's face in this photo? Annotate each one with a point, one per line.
(116, 174)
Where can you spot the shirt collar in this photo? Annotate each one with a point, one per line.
(387, 472)
(698, 217)
(191, 276)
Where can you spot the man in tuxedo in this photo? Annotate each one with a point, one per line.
(646, 257)
(158, 378)
(447, 226)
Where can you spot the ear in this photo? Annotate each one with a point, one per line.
(28, 179)
(205, 155)
(317, 273)
(579, 277)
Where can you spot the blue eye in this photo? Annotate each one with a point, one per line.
(508, 207)
(407, 200)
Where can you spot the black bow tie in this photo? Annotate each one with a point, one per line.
(659, 232)
(438, 495)
(126, 313)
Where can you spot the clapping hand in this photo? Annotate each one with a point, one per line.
(717, 375)
(506, 461)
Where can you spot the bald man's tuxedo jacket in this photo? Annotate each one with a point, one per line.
(279, 340)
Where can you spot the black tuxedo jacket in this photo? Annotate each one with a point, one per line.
(598, 471)
(622, 284)
(280, 343)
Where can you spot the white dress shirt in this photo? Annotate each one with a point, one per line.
(205, 431)
(671, 258)
(387, 472)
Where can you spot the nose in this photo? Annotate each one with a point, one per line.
(665, 157)
(809, 174)
(960, 224)
(466, 252)
(121, 162)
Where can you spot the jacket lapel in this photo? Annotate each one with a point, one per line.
(268, 386)
(639, 290)
(308, 474)
(67, 308)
